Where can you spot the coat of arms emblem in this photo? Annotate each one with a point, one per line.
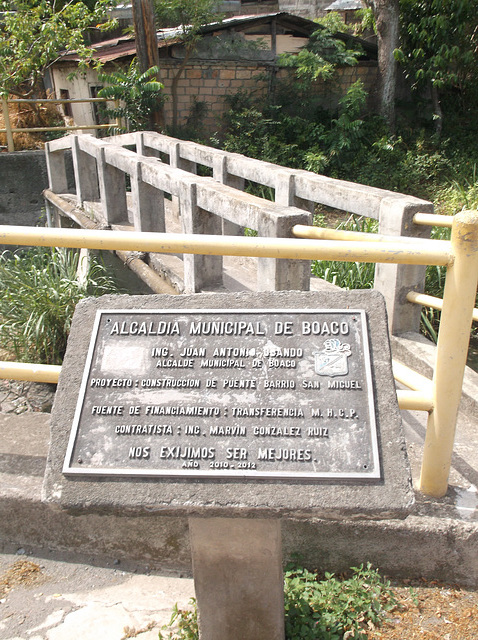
(332, 360)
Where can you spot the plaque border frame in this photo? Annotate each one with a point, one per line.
(225, 474)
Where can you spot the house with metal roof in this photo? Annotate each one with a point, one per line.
(237, 53)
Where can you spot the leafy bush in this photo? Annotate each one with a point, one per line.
(39, 289)
(311, 140)
(329, 609)
(138, 95)
(332, 609)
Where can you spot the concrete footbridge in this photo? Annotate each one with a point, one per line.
(175, 212)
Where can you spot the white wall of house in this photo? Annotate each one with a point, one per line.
(81, 86)
(305, 8)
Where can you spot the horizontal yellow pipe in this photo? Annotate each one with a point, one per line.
(433, 220)
(414, 400)
(323, 233)
(396, 253)
(411, 378)
(26, 371)
(431, 301)
(57, 100)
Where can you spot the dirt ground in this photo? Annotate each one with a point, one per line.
(430, 610)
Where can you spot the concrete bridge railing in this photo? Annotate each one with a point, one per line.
(103, 169)
(161, 164)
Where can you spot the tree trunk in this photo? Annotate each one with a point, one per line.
(174, 88)
(387, 16)
(147, 47)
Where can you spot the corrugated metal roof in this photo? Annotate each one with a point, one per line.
(125, 46)
(344, 5)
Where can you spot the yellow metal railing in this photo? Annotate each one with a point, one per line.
(440, 397)
(9, 130)
(26, 371)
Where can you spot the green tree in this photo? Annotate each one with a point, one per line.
(189, 16)
(36, 32)
(439, 47)
(320, 57)
(138, 94)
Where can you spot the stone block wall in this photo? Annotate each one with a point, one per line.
(211, 82)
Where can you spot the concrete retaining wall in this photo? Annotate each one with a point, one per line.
(23, 176)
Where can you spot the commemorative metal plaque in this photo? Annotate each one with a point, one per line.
(194, 393)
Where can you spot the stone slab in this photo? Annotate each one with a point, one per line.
(390, 495)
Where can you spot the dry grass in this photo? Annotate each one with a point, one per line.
(27, 115)
(21, 573)
(431, 611)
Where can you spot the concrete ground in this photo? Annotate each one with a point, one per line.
(61, 597)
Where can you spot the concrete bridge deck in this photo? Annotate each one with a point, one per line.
(438, 540)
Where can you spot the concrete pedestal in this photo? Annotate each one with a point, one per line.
(237, 565)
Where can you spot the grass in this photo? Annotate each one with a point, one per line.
(348, 275)
(39, 289)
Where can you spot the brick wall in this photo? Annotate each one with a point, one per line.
(210, 82)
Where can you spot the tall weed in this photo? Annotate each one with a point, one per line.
(349, 275)
(332, 609)
(39, 289)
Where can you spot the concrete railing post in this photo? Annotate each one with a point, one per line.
(177, 162)
(221, 174)
(200, 271)
(282, 275)
(142, 149)
(395, 281)
(285, 192)
(452, 349)
(56, 168)
(112, 190)
(86, 178)
(148, 203)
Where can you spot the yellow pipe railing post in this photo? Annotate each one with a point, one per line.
(454, 336)
(8, 126)
(118, 120)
